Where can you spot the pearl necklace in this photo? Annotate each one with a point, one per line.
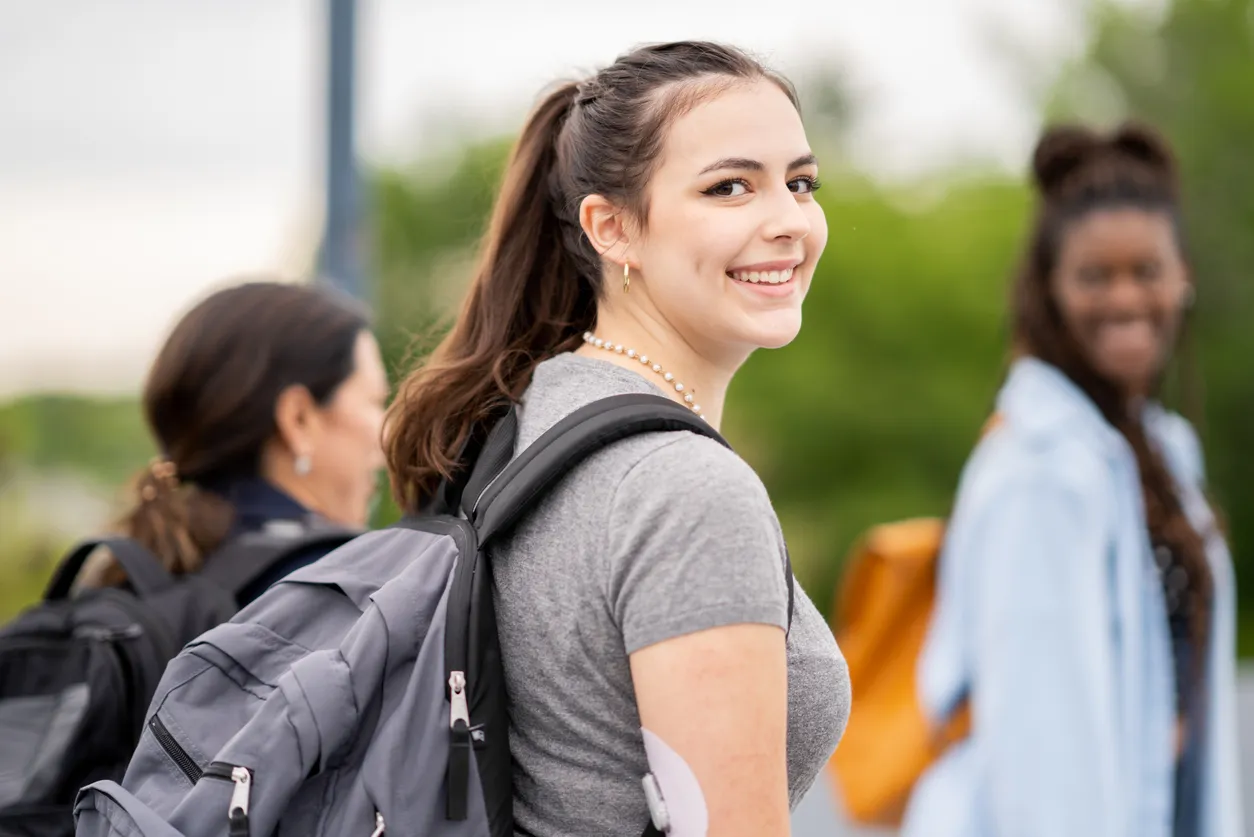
(689, 397)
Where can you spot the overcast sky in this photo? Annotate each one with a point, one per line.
(149, 148)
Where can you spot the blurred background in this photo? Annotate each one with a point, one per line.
(152, 151)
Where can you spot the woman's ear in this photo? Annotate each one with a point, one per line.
(295, 417)
(607, 228)
(1188, 294)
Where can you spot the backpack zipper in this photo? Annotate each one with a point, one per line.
(459, 710)
(379, 827)
(172, 749)
(459, 747)
(237, 811)
(456, 657)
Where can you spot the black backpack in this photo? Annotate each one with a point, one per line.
(77, 674)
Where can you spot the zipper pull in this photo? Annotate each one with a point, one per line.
(459, 710)
(238, 812)
(459, 748)
(378, 825)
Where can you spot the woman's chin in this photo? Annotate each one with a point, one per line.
(776, 330)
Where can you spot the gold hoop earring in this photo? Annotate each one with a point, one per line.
(626, 278)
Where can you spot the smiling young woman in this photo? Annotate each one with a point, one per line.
(1086, 599)
(656, 225)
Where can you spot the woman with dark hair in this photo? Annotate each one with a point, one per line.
(1086, 604)
(656, 225)
(267, 404)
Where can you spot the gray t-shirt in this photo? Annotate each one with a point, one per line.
(654, 537)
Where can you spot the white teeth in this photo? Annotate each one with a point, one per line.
(772, 277)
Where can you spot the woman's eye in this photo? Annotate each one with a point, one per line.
(728, 189)
(804, 185)
(1148, 271)
(1091, 276)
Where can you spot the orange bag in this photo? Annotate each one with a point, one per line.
(883, 610)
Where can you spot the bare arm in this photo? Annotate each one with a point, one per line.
(719, 699)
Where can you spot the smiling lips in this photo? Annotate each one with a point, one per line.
(767, 277)
(767, 273)
(1127, 337)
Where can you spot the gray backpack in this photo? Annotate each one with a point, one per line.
(361, 695)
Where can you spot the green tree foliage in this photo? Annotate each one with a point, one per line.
(56, 453)
(103, 438)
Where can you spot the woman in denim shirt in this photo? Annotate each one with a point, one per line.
(1086, 604)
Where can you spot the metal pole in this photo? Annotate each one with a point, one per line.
(339, 258)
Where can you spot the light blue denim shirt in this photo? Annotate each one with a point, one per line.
(1051, 616)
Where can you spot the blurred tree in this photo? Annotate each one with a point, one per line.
(104, 438)
(831, 106)
(426, 225)
(56, 454)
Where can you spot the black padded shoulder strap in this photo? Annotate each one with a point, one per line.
(144, 571)
(245, 558)
(511, 490)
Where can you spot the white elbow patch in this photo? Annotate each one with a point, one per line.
(681, 811)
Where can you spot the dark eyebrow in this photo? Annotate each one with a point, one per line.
(753, 165)
(734, 163)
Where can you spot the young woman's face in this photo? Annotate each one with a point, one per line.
(733, 230)
(1121, 286)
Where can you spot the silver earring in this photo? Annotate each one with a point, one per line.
(303, 465)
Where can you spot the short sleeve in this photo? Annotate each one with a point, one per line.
(693, 544)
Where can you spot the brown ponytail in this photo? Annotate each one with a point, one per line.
(525, 304)
(535, 289)
(178, 522)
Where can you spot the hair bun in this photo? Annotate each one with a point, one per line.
(1064, 149)
(1146, 145)
(1060, 151)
